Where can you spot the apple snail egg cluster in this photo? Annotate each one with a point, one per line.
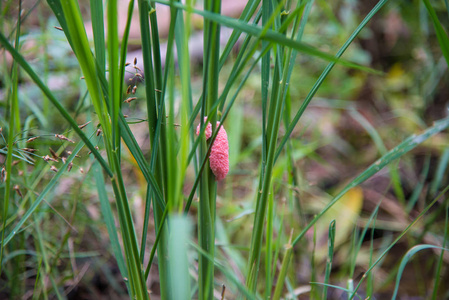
(219, 154)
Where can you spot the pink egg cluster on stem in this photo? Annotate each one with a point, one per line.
(219, 153)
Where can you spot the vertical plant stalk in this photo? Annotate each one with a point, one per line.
(156, 158)
(110, 132)
(13, 113)
(269, 139)
(114, 78)
(330, 256)
(284, 269)
(208, 185)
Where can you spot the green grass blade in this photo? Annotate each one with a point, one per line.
(87, 63)
(156, 242)
(419, 187)
(440, 172)
(441, 258)
(283, 273)
(124, 45)
(56, 6)
(405, 260)
(330, 256)
(114, 83)
(96, 8)
(109, 218)
(136, 152)
(442, 37)
(14, 120)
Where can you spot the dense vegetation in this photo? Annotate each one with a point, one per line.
(336, 118)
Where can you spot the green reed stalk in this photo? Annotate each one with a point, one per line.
(13, 122)
(157, 157)
(208, 186)
(110, 128)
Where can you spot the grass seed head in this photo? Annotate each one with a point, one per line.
(17, 189)
(62, 137)
(31, 150)
(83, 125)
(54, 169)
(53, 153)
(130, 99)
(48, 158)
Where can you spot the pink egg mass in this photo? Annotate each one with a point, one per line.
(219, 154)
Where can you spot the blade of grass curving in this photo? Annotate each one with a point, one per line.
(405, 260)
(442, 37)
(330, 256)
(441, 258)
(269, 35)
(401, 235)
(326, 72)
(404, 147)
(27, 68)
